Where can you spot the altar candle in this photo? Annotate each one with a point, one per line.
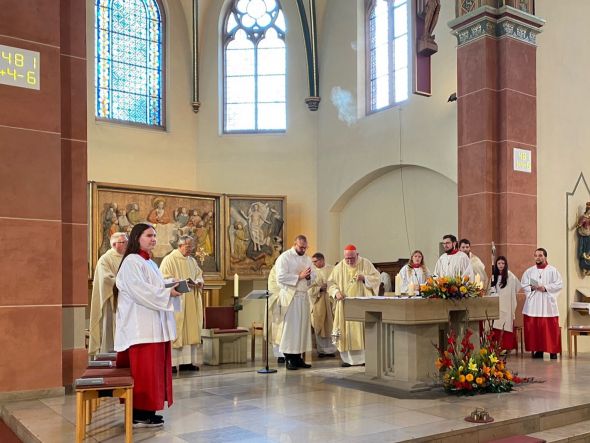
(236, 286)
(411, 289)
(398, 284)
(477, 279)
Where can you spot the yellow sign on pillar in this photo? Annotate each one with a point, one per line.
(20, 67)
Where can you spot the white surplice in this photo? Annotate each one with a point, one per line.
(507, 300)
(537, 303)
(417, 276)
(454, 265)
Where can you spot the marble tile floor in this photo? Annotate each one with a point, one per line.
(236, 404)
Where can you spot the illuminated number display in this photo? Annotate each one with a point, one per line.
(19, 67)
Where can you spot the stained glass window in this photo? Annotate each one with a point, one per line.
(129, 78)
(387, 53)
(254, 67)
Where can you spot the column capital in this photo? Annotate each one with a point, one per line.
(496, 22)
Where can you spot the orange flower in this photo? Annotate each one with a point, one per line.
(483, 351)
(462, 378)
(500, 366)
(486, 370)
(479, 380)
(469, 377)
(499, 374)
(438, 363)
(508, 375)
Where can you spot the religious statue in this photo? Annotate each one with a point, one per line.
(426, 43)
(583, 231)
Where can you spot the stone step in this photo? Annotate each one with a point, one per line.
(575, 432)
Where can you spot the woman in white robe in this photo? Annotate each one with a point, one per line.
(414, 272)
(506, 286)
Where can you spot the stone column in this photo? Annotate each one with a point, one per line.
(497, 128)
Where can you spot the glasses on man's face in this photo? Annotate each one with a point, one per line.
(122, 242)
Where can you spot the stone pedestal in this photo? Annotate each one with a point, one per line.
(406, 360)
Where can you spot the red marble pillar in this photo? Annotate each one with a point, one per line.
(42, 184)
(496, 98)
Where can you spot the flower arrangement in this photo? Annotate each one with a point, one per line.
(466, 371)
(453, 288)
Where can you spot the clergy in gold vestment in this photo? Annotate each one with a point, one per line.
(352, 277)
(476, 264)
(276, 315)
(180, 265)
(103, 304)
(322, 318)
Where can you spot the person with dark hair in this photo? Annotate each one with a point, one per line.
(506, 286)
(294, 277)
(542, 284)
(476, 264)
(145, 327)
(453, 263)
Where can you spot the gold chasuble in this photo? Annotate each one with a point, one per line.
(189, 320)
(321, 306)
(343, 280)
(103, 303)
(276, 313)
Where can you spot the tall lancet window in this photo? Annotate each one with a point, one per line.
(387, 53)
(254, 68)
(129, 78)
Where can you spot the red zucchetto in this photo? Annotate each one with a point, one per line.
(350, 248)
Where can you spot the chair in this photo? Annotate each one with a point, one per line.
(223, 342)
(257, 329)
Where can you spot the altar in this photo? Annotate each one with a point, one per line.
(400, 333)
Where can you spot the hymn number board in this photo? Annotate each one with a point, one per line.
(19, 67)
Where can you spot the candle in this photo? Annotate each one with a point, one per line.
(236, 286)
(398, 284)
(477, 278)
(411, 289)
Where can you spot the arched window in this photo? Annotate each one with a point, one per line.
(387, 53)
(254, 62)
(130, 61)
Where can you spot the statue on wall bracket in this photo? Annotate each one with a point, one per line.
(426, 44)
(583, 232)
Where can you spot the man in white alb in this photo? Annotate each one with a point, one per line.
(322, 319)
(541, 284)
(294, 277)
(453, 263)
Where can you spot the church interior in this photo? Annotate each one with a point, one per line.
(386, 124)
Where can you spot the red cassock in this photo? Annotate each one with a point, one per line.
(506, 339)
(542, 334)
(151, 369)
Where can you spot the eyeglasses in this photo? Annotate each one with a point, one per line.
(121, 242)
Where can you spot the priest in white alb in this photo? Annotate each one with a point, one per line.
(276, 316)
(453, 263)
(476, 264)
(294, 277)
(103, 303)
(322, 318)
(181, 265)
(354, 276)
(541, 284)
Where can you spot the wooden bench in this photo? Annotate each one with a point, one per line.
(574, 332)
(116, 382)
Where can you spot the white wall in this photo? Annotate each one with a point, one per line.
(563, 133)
(421, 131)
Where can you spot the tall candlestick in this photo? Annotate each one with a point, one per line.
(411, 289)
(398, 284)
(236, 286)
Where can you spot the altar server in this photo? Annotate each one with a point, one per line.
(476, 264)
(354, 276)
(453, 263)
(506, 286)
(145, 327)
(414, 272)
(542, 284)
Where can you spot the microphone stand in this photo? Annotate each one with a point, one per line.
(266, 369)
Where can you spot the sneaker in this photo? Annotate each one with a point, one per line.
(553, 356)
(151, 422)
